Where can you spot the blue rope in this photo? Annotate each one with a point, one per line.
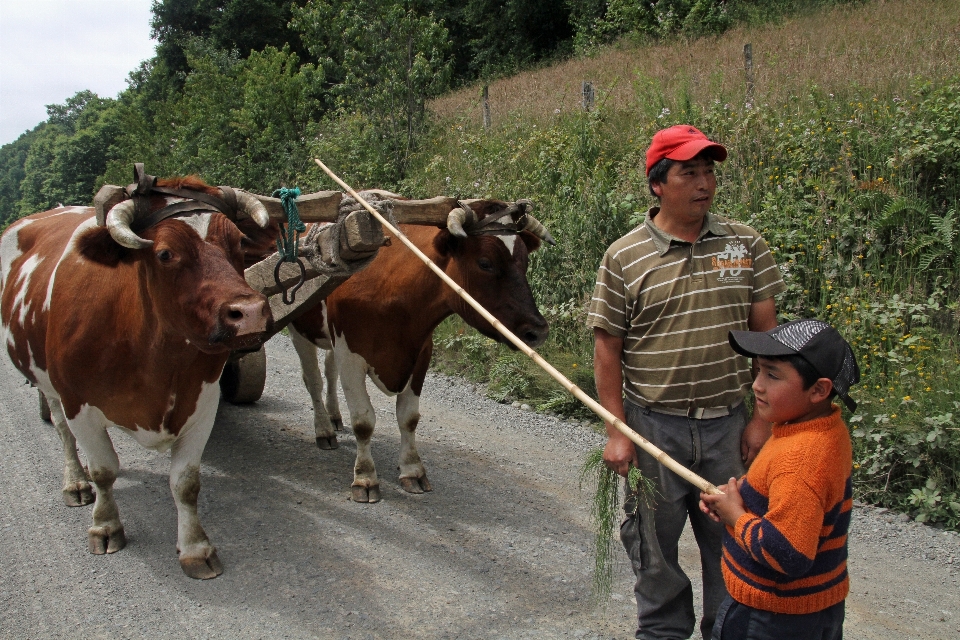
(289, 237)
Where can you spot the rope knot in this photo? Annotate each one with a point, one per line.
(290, 236)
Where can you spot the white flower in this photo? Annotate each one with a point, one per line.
(556, 110)
(447, 179)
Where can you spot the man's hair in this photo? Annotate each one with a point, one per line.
(658, 173)
(807, 372)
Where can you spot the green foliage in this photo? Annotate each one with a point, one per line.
(928, 139)
(13, 156)
(68, 154)
(382, 61)
(231, 25)
(240, 122)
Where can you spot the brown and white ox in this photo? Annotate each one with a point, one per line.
(380, 324)
(132, 332)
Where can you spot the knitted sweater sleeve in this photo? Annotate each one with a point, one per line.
(786, 537)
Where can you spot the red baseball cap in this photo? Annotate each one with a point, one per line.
(681, 142)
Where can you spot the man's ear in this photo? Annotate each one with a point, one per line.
(657, 189)
(820, 390)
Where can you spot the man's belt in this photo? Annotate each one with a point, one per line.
(697, 413)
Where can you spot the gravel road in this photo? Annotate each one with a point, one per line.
(500, 549)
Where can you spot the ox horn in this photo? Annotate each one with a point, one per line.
(250, 205)
(533, 225)
(119, 220)
(457, 219)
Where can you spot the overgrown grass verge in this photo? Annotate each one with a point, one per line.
(856, 189)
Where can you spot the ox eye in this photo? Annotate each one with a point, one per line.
(485, 264)
(164, 255)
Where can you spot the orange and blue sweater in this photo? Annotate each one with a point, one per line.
(788, 553)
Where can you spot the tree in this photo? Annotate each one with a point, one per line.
(70, 152)
(12, 159)
(233, 25)
(381, 59)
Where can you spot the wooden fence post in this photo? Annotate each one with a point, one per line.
(486, 107)
(588, 95)
(748, 70)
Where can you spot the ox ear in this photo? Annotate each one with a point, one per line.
(447, 244)
(531, 240)
(97, 245)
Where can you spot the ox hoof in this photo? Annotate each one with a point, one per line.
(337, 423)
(415, 485)
(78, 494)
(365, 494)
(328, 443)
(202, 567)
(106, 540)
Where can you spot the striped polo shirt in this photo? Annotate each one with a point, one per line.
(673, 303)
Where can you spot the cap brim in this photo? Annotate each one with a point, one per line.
(753, 343)
(692, 149)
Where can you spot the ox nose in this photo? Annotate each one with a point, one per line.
(245, 317)
(534, 334)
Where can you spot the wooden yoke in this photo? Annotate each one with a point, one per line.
(323, 206)
(327, 264)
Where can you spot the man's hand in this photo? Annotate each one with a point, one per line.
(726, 507)
(607, 351)
(620, 453)
(755, 434)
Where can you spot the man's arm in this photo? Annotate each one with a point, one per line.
(763, 317)
(620, 451)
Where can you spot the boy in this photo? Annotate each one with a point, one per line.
(785, 547)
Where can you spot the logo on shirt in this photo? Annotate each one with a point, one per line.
(731, 262)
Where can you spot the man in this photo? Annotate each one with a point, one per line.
(667, 295)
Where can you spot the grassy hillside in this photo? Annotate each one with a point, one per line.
(846, 157)
(883, 46)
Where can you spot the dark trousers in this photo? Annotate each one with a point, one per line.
(651, 535)
(736, 621)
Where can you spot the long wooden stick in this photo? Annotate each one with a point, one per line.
(576, 391)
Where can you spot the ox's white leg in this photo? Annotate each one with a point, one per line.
(333, 402)
(90, 429)
(313, 380)
(198, 558)
(413, 476)
(353, 377)
(76, 484)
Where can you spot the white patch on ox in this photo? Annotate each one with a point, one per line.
(89, 428)
(22, 283)
(67, 250)
(10, 247)
(510, 240)
(199, 222)
(353, 366)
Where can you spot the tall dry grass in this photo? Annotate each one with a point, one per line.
(879, 45)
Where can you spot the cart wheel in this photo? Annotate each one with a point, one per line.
(243, 379)
(44, 407)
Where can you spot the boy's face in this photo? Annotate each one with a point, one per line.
(780, 395)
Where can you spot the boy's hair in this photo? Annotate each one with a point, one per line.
(807, 372)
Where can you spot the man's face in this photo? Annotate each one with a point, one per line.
(689, 188)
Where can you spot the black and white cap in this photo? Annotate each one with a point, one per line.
(813, 340)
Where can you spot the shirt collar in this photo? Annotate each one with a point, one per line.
(664, 240)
